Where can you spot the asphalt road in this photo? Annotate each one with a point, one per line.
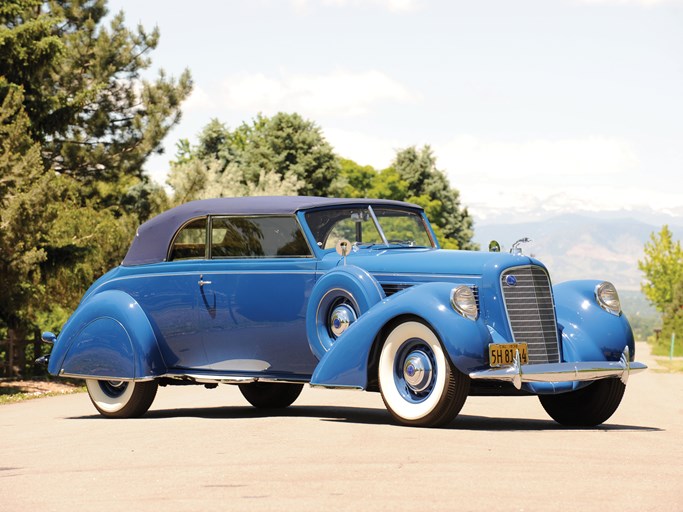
(199, 450)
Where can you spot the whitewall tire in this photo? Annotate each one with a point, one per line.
(121, 399)
(419, 385)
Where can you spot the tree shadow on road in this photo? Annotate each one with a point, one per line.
(371, 416)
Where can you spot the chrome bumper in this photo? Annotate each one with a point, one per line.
(562, 372)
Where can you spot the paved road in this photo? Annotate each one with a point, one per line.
(199, 450)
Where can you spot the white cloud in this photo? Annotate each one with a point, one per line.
(363, 148)
(540, 159)
(339, 93)
(644, 3)
(543, 175)
(199, 99)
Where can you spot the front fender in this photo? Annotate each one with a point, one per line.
(465, 341)
(589, 333)
(108, 336)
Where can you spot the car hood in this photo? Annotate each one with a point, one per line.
(429, 261)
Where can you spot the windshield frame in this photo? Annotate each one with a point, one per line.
(320, 234)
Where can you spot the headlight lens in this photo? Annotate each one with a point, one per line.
(464, 302)
(608, 298)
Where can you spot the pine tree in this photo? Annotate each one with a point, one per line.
(94, 116)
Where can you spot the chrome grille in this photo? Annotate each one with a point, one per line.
(531, 312)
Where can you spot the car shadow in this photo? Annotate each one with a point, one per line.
(371, 416)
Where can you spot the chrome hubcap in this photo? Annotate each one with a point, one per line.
(342, 316)
(113, 388)
(417, 371)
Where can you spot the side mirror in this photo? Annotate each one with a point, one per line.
(494, 246)
(343, 248)
(48, 338)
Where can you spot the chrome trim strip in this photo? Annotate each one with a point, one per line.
(62, 373)
(408, 274)
(230, 379)
(379, 228)
(562, 372)
(337, 386)
(314, 273)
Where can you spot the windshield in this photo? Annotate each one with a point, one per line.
(397, 227)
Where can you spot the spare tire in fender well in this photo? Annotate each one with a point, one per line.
(349, 284)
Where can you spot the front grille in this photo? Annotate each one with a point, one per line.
(531, 312)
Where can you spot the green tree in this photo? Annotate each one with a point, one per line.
(356, 180)
(51, 247)
(20, 170)
(413, 177)
(662, 267)
(672, 323)
(94, 116)
(206, 178)
(77, 122)
(429, 187)
(283, 154)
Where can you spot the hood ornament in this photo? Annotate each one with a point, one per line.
(516, 249)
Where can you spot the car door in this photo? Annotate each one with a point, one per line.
(168, 292)
(252, 305)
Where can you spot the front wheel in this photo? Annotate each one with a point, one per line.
(419, 385)
(270, 395)
(585, 407)
(121, 399)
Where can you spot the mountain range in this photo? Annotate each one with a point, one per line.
(575, 246)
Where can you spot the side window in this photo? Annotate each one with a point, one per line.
(190, 242)
(257, 237)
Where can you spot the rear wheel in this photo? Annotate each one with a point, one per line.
(419, 385)
(586, 407)
(121, 399)
(270, 395)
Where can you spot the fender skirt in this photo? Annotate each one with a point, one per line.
(109, 336)
(345, 365)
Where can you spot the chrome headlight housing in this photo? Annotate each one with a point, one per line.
(608, 298)
(464, 302)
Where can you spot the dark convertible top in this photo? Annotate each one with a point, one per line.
(152, 239)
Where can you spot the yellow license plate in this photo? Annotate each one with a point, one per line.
(503, 354)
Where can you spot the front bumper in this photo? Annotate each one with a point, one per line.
(519, 373)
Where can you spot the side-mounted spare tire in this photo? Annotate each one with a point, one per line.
(337, 300)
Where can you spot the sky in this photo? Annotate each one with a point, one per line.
(532, 107)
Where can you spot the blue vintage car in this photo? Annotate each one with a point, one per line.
(271, 293)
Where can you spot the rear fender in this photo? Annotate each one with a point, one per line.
(589, 333)
(108, 336)
(346, 363)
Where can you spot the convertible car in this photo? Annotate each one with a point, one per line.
(271, 293)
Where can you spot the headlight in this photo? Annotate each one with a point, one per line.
(608, 298)
(464, 302)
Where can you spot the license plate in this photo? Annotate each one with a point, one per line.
(503, 354)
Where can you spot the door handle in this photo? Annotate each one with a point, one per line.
(201, 281)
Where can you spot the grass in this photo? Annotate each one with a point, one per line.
(671, 365)
(20, 397)
(14, 391)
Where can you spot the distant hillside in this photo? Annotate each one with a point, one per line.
(581, 247)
